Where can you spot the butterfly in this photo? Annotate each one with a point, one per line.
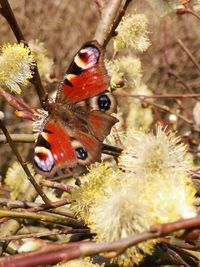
(80, 117)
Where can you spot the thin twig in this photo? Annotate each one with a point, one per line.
(167, 109)
(24, 138)
(8, 14)
(19, 203)
(42, 217)
(182, 11)
(170, 71)
(191, 57)
(24, 165)
(100, 5)
(34, 206)
(117, 21)
(177, 257)
(67, 230)
(63, 187)
(167, 96)
(34, 235)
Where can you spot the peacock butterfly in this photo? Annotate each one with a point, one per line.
(80, 117)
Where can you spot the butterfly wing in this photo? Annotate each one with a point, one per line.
(59, 147)
(75, 132)
(86, 76)
(100, 124)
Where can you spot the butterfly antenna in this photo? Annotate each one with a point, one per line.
(111, 150)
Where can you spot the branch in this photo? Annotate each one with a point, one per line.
(120, 94)
(22, 107)
(69, 251)
(191, 57)
(100, 5)
(7, 12)
(167, 109)
(37, 235)
(24, 166)
(34, 206)
(25, 138)
(42, 217)
(111, 16)
(63, 187)
(170, 71)
(182, 11)
(177, 257)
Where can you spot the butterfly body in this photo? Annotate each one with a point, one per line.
(80, 118)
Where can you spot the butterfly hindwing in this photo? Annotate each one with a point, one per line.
(53, 148)
(86, 76)
(56, 149)
(100, 124)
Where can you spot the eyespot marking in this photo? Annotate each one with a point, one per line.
(104, 102)
(43, 159)
(87, 57)
(81, 153)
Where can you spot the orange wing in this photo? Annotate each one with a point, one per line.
(86, 76)
(56, 149)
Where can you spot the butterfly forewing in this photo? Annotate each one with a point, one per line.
(86, 76)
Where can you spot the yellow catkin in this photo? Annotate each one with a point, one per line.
(132, 33)
(16, 65)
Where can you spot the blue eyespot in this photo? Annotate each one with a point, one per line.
(104, 102)
(81, 153)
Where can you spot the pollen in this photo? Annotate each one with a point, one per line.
(132, 33)
(16, 63)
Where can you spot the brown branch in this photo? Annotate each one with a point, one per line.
(24, 138)
(63, 187)
(167, 109)
(67, 230)
(7, 12)
(69, 251)
(158, 96)
(104, 26)
(42, 217)
(19, 104)
(117, 21)
(36, 235)
(19, 203)
(11, 227)
(28, 204)
(166, 228)
(191, 57)
(33, 206)
(112, 13)
(177, 257)
(170, 71)
(24, 165)
(100, 5)
(182, 11)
